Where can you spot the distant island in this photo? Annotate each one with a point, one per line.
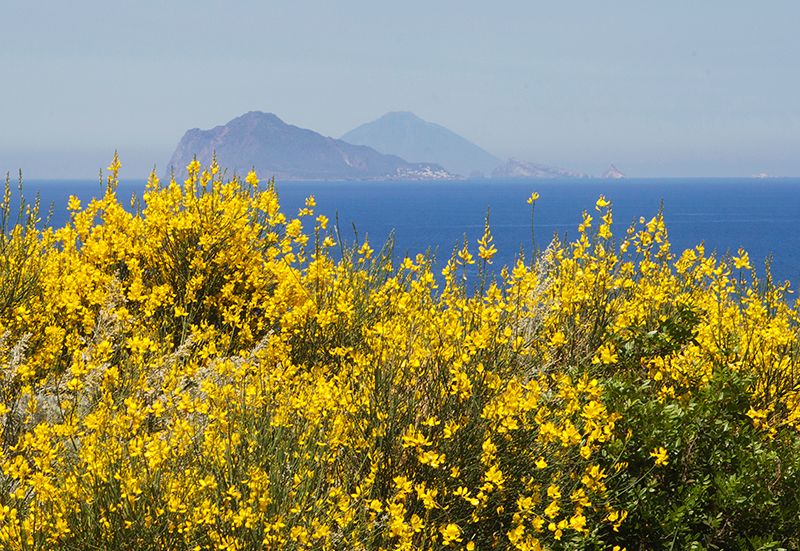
(406, 135)
(516, 169)
(613, 173)
(264, 142)
(397, 146)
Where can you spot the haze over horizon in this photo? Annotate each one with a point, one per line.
(657, 89)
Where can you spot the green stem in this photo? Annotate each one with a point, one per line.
(533, 236)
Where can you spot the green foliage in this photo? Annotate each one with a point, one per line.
(725, 486)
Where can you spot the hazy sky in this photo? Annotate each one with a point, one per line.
(657, 88)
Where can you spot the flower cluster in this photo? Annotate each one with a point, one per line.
(206, 372)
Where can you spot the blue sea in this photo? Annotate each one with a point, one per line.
(762, 216)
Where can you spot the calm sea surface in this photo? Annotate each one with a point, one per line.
(763, 216)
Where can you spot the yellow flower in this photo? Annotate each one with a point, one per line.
(431, 458)
(606, 354)
(495, 476)
(578, 522)
(115, 164)
(552, 510)
(251, 178)
(660, 455)
(533, 198)
(742, 262)
(486, 250)
(365, 250)
(465, 257)
(450, 534)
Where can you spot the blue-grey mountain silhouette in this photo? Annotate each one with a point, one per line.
(516, 169)
(404, 134)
